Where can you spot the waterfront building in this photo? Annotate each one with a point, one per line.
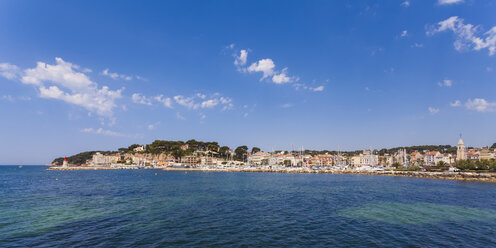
(460, 151)
(209, 161)
(431, 158)
(402, 157)
(139, 149)
(355, 160)
(368, 158)
(99, 159)
(192, 161)
(259, 158)
(484, 154)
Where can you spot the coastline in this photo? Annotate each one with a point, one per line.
(459, 176)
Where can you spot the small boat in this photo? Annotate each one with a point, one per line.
(20, 166)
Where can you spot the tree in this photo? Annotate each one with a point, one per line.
(396, 165)
(441, 163)
(255, 150)
(493, 146)
(240, 152)
(224, 151)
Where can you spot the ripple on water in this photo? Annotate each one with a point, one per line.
(417, 213)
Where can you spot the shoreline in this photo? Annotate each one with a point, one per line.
(459, 176)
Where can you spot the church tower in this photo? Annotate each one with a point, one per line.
(460, 152)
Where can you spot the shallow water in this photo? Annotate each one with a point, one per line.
(130, 208)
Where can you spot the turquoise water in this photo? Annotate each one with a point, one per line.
(133, 208)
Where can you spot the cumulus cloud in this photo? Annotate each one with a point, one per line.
(269, 72)
(241, 59)
(467, 36)
(195, 102)
(433, 110)
(445, 83)
(448, 2)
(202, 101)
(405, 4)
(480, 105)
(166, 101)
(404, 33)
(266, 66)
(140, 99)
(101, 131)
(62, 81)
(9, 71)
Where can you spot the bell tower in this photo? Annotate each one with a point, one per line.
(460, 152)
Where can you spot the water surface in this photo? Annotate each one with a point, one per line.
(133, 208)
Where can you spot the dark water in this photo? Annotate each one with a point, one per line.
(133, 208)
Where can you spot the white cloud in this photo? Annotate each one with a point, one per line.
(241, 59)
(62, 82)
(166, 101)
(433, 110)
(480, 105)
(9, 71)
(195, 102)
(282, 77)
(456, 103)
(187, 102)
(299, 86)
(209, 103)
(114, 75)
(101, 131)
(264, 65)
(404, 33)
(405, 4)
(319, 88)
(8, 98)
(13, 99)
(140, 99)
(447, 2)
(287, 105)
(418, 45)
(445, 83)
(467, 36)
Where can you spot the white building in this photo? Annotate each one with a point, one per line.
(139, 149)
(368, 158)
(258, 158)
(99, 159)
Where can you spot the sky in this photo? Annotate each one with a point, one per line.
(349, 75)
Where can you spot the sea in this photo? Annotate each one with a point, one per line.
(154, 208)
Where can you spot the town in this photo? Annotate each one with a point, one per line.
(209, 155)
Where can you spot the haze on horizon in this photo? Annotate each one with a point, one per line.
(349, 75)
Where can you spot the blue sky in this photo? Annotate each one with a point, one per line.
(99, 75)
